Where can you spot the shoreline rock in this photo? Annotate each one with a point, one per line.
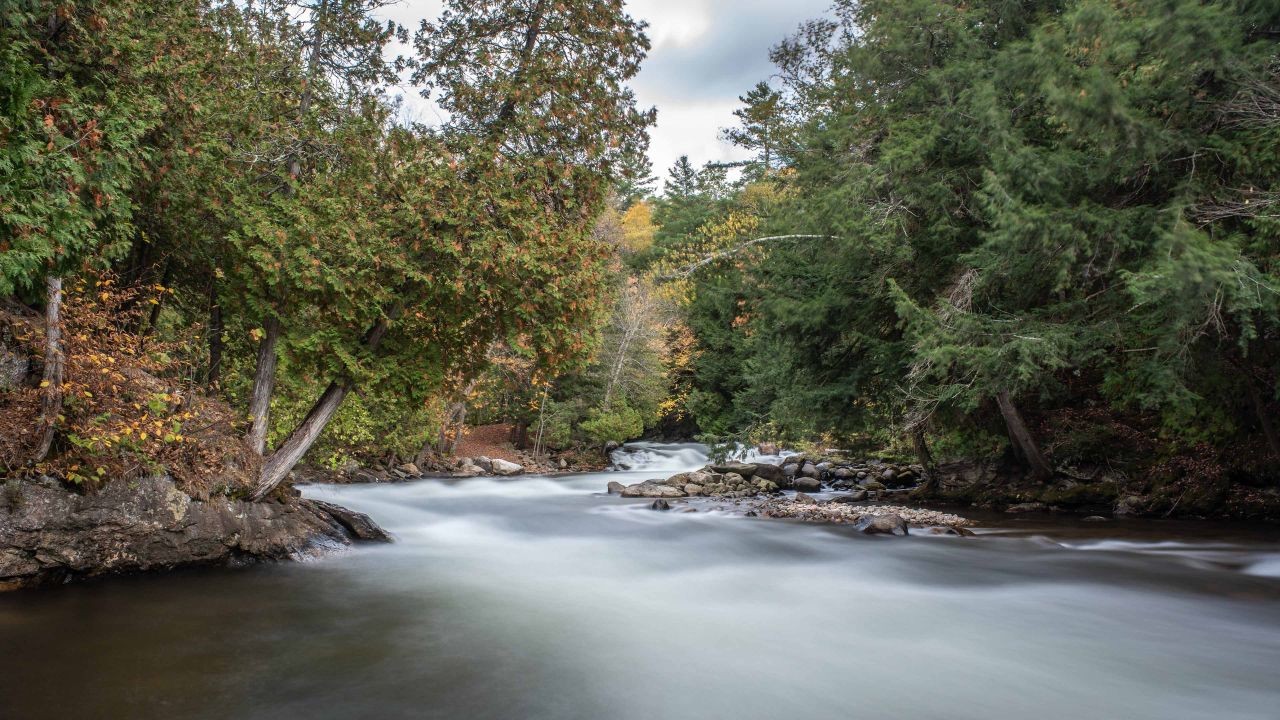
(51, 535)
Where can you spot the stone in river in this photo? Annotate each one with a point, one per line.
(660, 505)
(505, 467)
(651, 489)
(805, 499)
(881, 525)
(616, 488)
(807, 484)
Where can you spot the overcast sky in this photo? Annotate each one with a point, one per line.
(705, 54)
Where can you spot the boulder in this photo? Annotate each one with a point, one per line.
(791, 470)
(410, 470)
(824, 466)
(796, 459)
(853, 497)
(743, 469)
(660, 505)
(693, 489)
(767, 448)
(615, 487)
(843, 473)
(881, 525)
(1027, 507)
(483, 463)
(697, 477)
(49, 534)
(874, 486)
(652, 490)
(505, 467)
(805, 499)
(809, 470)
(807, 484)
(769, 472)
(1130, 506)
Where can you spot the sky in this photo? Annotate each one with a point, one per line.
(705, 54)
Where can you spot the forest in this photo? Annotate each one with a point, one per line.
(1043, 231)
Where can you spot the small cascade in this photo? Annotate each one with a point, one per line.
(660, 457)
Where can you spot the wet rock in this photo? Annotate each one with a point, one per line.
(751, 513)
(853, 497)
(693, 490)
(743, 469)
(53, 535)
(505, 467)
(951, 530)
(881, 525)
(1027, 507)
(651, 489)
(843, 473)
(809, 470)
(482, 462)
(615, 487)
(767, 448)
(1130, 506)
(660, 505)
(874, 486)
(791, 470)
(805, 499)
(796, 459)
(769, 472)
(1095, 518)
(807, 484)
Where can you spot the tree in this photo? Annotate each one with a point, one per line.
(760, 129)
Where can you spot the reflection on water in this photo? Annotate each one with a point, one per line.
(544, 598)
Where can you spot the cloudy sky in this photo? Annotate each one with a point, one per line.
(705, 54)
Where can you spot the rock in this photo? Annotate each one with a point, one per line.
(482, 462)
(1027, 507)
(692, 489)
(615, 487)
(1130, 506)
(823, 466)
(467, 471)
(888, 476)
(14, 367)
(843, 473)
(751, 513)
(697, 477)
(862, 474)
(790, 470)
(733, 479)
(744, 469)
(853, 497)
(796, 459)
(881, 525)
(805, 499)
(563, 464)
(1095, 518)
(767, 448)
(874, 486)
(951, 530)
(52, 535)
(651, 489)
(660, 505)
(505, 467)
(809, 470)
(769, 472)
(807, 484)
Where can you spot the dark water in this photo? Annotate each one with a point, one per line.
(540, 598)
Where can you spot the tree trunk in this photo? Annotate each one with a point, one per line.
(460, 424)
(51, 399)
(281, 462)
(1264, 419)
(264, 381)
(925, 458)
(214, 376)
(1040, 469)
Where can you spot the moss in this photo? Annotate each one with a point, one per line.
(1083, 494)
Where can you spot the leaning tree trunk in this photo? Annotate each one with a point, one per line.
(1021, 436)
(51, 399)
(264, 381)
(281, 462)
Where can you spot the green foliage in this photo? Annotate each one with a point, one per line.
(618, 423)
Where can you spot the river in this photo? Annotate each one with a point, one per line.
(542, 598)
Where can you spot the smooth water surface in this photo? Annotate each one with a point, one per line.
(543, 598)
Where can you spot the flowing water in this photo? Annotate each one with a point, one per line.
(541, 597)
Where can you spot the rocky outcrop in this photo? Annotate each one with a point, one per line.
(49, 534)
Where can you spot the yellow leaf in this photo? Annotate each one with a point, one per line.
(44, 383)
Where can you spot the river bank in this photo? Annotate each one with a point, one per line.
(51, 535)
